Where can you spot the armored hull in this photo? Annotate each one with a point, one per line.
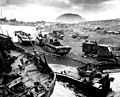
(24, 38)
(60, 50)
(24, 74)
(87, 88)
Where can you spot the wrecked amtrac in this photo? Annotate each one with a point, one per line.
(101, 51)
(105, 56)
(89, 80)
(22, 73)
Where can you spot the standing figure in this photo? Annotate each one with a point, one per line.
(56, 42)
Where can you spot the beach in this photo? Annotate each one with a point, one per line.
(60, 63)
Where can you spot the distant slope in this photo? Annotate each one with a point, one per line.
(69, 18)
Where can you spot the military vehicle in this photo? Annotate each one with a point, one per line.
(101, 51)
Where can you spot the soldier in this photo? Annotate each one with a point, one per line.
(20, 67)
(36, 84)
(30, 94)
(51, 41)
(44, 39)
(40, 34)
(21, 60)
(56, 42)
(92, 76)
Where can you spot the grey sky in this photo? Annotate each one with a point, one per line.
(56, 3)
(84, 7)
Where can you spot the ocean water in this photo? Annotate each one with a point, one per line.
(60, 88)
(9, 30)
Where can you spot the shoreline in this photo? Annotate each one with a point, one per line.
(76, 44)
(16, 23)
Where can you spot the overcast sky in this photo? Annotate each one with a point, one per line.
(49, 10)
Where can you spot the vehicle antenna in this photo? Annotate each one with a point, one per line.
(1, 29)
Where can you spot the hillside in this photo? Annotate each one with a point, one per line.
(69, 18)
